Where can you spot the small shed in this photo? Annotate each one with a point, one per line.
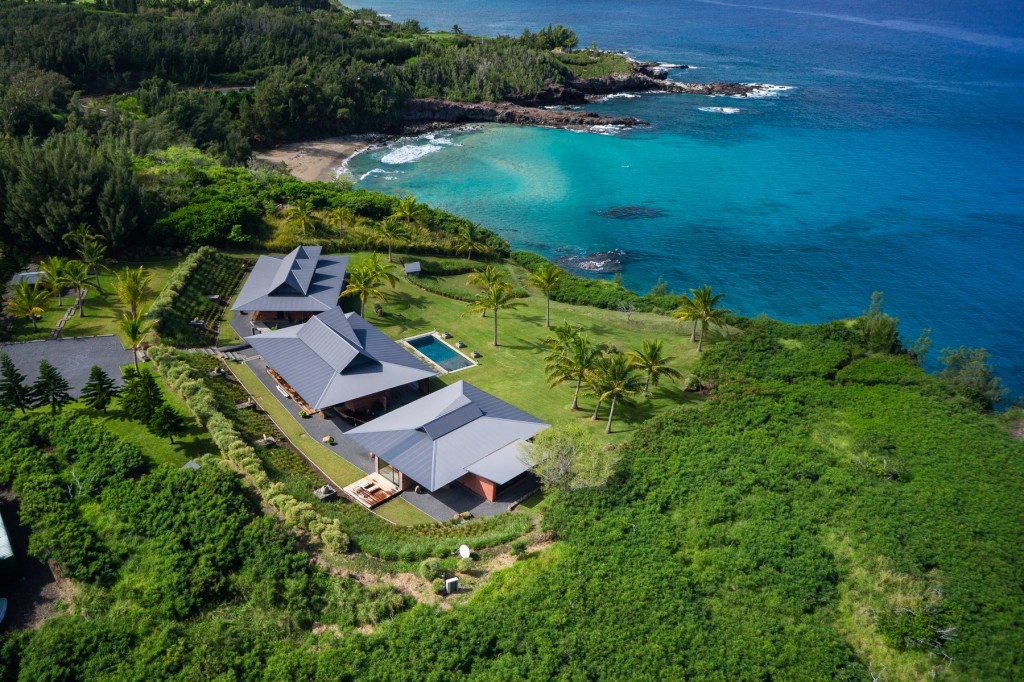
(30, 276)
(413, 268)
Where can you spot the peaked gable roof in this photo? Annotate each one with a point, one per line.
(301, 281)
(457, 430)
(336, 357)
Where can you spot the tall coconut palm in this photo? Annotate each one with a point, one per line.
(409, 211)
(135, 328)
(687, 311)
(615, 380)
(28, 300)
(573, 362)
(94, 257)
(466, 242)
(54, 269)
(546, 278)
(706, 312)
(384, 272)
(78, 237)
(389, 230)
(652, 360)
(559, 337)
(302, 215)
(495, 298)
(133, 288)
(342, 217)
(364, 284)
(488, 277)
(76, 276)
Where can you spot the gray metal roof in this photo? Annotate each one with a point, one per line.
(501, 466)
(29, 276)
(301, 281)
(457, 430)
(413, 267)
(336, 357)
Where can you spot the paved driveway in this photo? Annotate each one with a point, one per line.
(72, 357)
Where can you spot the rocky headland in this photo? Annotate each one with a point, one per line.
(534, 108)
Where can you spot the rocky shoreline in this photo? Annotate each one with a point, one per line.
(530, 109)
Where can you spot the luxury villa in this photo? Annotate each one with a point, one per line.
(341, 362)
(334, 363)
(292, 288)
(457, 434)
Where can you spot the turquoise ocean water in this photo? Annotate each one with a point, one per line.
(895, 162)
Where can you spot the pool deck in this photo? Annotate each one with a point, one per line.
(436, 364)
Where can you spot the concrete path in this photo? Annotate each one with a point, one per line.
(72, 357)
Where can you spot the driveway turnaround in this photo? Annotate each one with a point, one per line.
(72, 357)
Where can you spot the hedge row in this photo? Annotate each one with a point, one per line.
(176, 283)
(197, 395)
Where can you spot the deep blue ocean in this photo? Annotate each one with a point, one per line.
(895, 163)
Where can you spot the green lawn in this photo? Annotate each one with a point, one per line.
(103, 310)
(514, 371)
(336, 467)
(400, 512)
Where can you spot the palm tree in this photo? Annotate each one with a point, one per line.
(389, 230)
(384, 273)
(76, 276)
(466, 242)
(495, 298)
(132, 287)
(28, 300)
(614, 379)
(135, 328)
(365, 284)
(687, 310)
(409, 211)
(561, 335)
(342, 216)
(54, 269)
(302, 215)
(706, 313)
(650, 359)
(546, 278)
(572, 362)
(94, 258)
(79, 236)
(488, 277)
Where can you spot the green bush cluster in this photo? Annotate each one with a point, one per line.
(53, 465)
(598, 293)
(201, 400)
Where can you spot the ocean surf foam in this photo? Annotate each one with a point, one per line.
(763, 90)
(720, 110)
(409, 153)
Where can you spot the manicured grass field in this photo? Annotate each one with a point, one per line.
(103, 310)
(514, 371)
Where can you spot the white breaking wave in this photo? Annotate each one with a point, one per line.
(762, 90)
(666, 65)
(606, 129)
(409, 153)
(720, 110)
(618, 95)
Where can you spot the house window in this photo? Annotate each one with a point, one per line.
(389, 472)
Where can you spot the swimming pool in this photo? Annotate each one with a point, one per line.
(440, 353)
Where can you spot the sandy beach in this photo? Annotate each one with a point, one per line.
(315, 159)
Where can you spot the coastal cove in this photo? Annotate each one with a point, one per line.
(893, 169)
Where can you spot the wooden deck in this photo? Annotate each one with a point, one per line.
(372, 490)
